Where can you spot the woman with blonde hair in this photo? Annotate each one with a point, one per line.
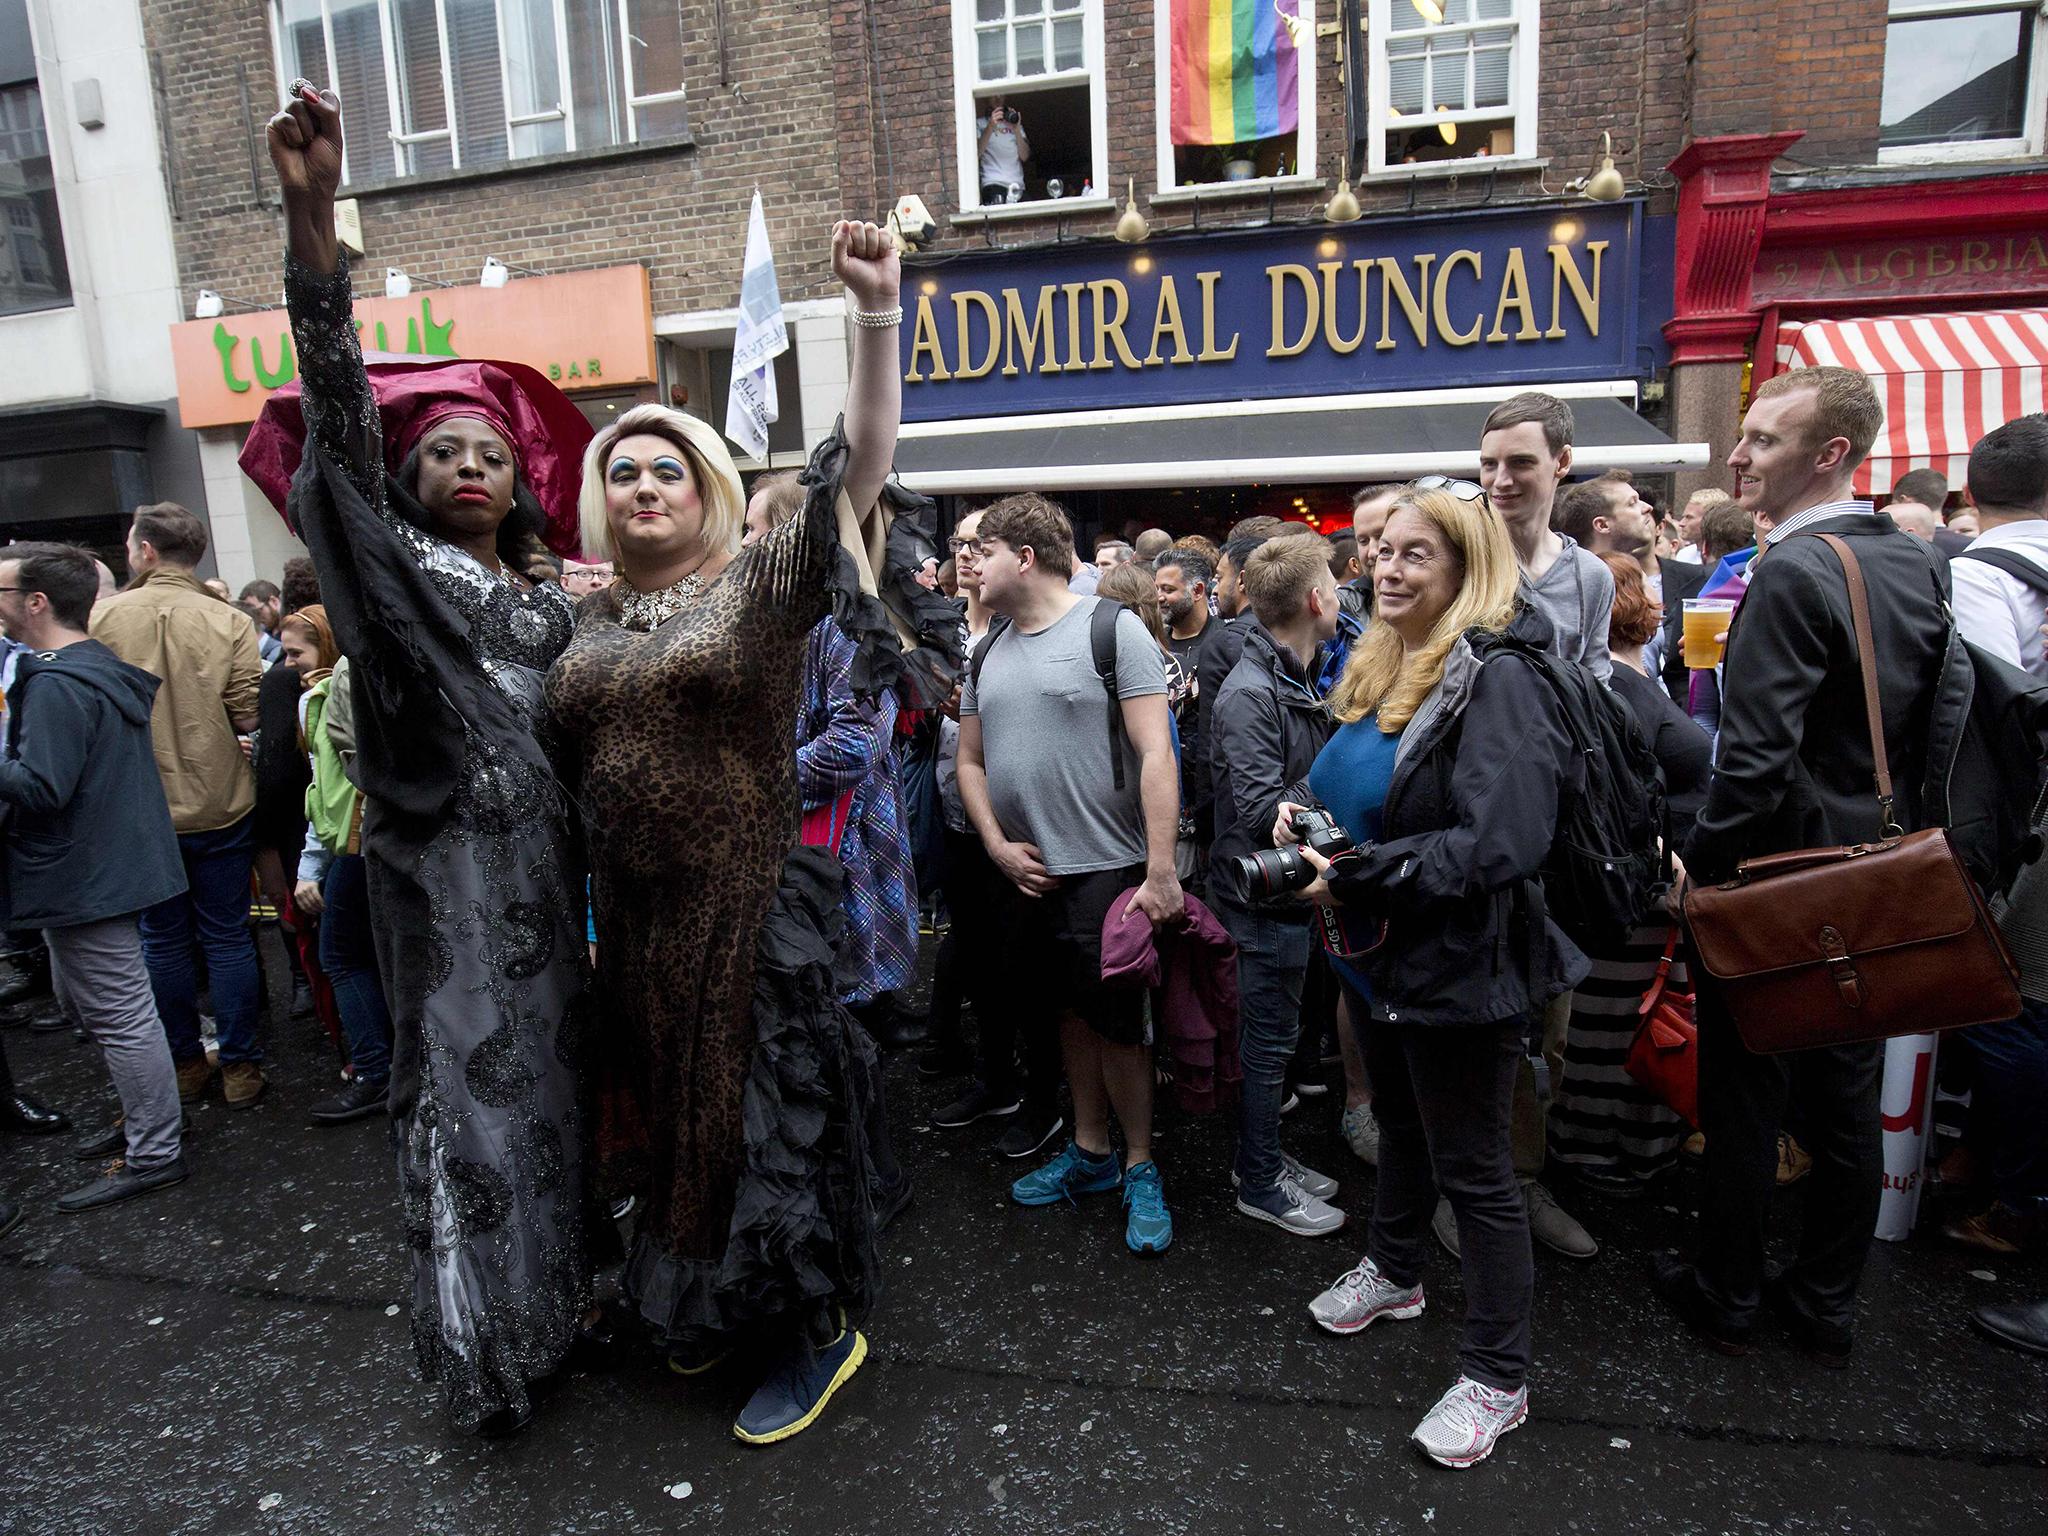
(741, 1102)
(1445, 772)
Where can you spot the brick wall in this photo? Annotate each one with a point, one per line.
(1622, 69)
(1819, 68)
(681, 211)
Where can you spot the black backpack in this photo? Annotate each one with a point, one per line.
(1604, 866)
(1102, 641)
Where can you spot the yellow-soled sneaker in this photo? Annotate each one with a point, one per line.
(798, 1389)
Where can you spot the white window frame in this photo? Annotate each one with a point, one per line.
(967, 83)
(402, 141)
(2030, 143)
(1522, 103)
(1305, 122)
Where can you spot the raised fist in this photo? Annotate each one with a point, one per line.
(864, 258)
(305, 144)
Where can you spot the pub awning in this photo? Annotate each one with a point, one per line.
(1945, 380)
(1395, 435)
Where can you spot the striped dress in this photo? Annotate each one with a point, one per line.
(1602, 1121)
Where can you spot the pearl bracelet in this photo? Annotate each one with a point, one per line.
(880, 319)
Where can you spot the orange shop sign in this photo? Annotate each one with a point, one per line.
(584, 330)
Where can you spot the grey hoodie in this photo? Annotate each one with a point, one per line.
(89, 835)
(1577, 595)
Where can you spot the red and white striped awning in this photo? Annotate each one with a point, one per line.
(1945, 380)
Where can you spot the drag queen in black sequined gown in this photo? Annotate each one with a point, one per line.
(476, 895)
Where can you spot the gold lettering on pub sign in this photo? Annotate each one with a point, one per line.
(1454, 298)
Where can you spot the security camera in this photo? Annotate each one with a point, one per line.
(912, 221)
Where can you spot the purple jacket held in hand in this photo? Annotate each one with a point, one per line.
(1193, 965)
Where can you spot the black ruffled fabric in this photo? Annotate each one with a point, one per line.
(801, 1247)
(924, 671)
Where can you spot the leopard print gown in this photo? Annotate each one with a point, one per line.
(741, 1105)
(478, 924)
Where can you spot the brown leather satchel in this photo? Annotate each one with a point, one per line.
(1831, 946)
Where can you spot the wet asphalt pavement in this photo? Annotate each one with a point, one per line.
(228, 1356)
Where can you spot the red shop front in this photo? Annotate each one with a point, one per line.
(1933, 280)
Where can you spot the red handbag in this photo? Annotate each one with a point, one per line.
(1664, 1057)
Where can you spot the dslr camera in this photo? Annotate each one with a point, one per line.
(1274, 872)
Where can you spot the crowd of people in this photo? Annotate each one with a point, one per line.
(599, 796)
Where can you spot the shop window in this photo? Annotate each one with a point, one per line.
(1239, 104)
(1028, 98)
(1451, 80)
(33, 274)
(696, 377)
(1962, 80)
(430, 85)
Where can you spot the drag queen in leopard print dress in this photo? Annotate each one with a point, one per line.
(415, 492)
(741, 1104)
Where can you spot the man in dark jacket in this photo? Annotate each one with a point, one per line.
(1795, 770)
(1267, 723)
(89, 844)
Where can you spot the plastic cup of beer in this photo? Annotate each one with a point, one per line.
(1706, 620)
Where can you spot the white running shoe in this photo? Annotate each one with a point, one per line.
(1361, 1297)
(1292, 1208)
(1320, 1185)
(1361, 1133)
(1468, 1420)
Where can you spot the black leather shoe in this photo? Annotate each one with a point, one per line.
(1827, 1343)
(24, 981)
(302, 998)
(25, 1117)
(114, 1140)
(358, 1101)
(118, 1184)
(2023, 1325)
(898, 1031)
(1677, 1283)
(504, 1424)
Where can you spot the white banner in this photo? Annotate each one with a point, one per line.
(758, 340)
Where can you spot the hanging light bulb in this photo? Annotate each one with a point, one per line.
(1430, 11)
(1606, 184)
(1131, 226)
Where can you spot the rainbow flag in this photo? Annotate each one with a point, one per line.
(1236, 73)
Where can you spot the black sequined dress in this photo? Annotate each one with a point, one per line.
(476, 894)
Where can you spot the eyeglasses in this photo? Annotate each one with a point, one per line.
(1464, 490)
(17, 589)
(965, 547)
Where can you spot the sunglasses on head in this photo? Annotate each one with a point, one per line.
(1464, 490)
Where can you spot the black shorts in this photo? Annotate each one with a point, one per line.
(1053, 960)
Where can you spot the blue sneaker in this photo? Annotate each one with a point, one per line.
(798, 1389)
(1072, 1173)
(1148, 1224)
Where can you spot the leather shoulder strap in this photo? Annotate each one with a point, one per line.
(1866, 657)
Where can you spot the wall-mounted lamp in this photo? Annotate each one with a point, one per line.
(497, 273)
(1606, 184)
(1343, 207)
(1130, 225)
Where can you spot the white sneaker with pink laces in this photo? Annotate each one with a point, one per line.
(1462, 1428)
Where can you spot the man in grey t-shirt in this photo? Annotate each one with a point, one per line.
(1039, 785)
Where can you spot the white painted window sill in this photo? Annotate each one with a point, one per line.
(1218, 191)
(1962, 152)
(1043, 208)
(1437, 170)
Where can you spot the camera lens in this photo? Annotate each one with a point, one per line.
(1270, 872)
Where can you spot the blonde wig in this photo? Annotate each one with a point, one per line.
(718, 483)
(1381, 674)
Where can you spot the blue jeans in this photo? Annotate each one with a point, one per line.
(2010, 1089)
(349, 958)
(215, 909)
(1272, 957)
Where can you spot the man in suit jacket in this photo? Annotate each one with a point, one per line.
(1795, 770)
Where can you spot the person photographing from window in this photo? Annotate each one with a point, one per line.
(1004, 149)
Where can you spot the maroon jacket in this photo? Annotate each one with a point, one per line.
(1192, 966)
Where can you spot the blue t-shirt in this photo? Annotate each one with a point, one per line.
(1351, 776)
